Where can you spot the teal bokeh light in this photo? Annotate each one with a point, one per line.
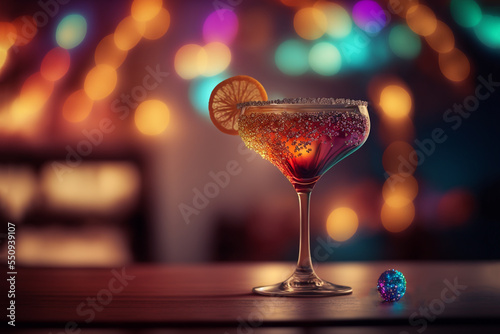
(291, 57)
(404, 42)
(488, 31)
(71, 31)
(325, 59)
(200, 90)
(355, 49)
(466, 13)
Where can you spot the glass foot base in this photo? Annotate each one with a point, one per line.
(298, 287)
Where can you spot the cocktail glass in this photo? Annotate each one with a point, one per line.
(304, 138)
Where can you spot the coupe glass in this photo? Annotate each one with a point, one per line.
(304, 138)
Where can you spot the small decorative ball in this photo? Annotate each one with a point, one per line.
(391, 285)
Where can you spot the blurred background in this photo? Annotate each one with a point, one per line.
(108, 155)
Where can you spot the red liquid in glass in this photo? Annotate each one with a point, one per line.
(304, 145)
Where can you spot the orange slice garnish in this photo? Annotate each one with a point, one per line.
(225, 97)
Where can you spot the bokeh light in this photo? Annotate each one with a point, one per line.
(441, 40)
(100, 82)
(200, 90)
(190, 61)
(35, 92)
(342, 224)
(71, 31)
(291, 57)
(310, 23)
(454, 65)
(220, 26)
(107, 53)
(421, 19)
(488, 31)
(77, 106)
(404, 42)
(339, 23)
(456, 207)
(354, 53)
(399, 190)
(325, 59)
(55, 64)
(466, 13)
(3, 57)
(369, 16)
(397, 219)
(8, 35)
(145, 10)
(26, 29)
(152, 117)
(400, 158)
(128, 33)
(395, 101)
(218, 58)
(158, 26)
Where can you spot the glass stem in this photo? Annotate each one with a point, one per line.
(304, 264)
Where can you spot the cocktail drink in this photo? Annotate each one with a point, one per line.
(304, 138)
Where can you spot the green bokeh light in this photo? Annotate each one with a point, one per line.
(404, 42)
(200, 90)
(291, 57)
(325, 59)
(355, 49)
(466, 13)
(71, 31)
(488, 31)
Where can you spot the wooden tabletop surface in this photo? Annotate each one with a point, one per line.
(219, 295)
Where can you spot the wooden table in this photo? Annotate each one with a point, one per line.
(440, 296)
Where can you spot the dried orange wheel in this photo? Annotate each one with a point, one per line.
(225, 97)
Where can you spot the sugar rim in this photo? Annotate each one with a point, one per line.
(304, 100)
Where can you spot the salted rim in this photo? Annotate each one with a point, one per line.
(304, 100)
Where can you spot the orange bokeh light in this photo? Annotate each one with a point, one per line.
(107, 53)
(399, 190)
(342, 223)
(454, 65)
(157, 26)
(77, 106)
(441, 40)
(395, 101)
(55, 64)
(8, 35)
(128, 33)
(397, 219)
(37, 90)
(3, 57)
(400, 158)
(100, 82)
(218, 58)
(152, 117)
(145, 10)
(190, 61)
(421, 19)
(310, 23)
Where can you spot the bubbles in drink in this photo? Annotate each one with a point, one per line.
(304, 145)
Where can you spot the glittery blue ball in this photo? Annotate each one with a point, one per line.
(391, 285)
